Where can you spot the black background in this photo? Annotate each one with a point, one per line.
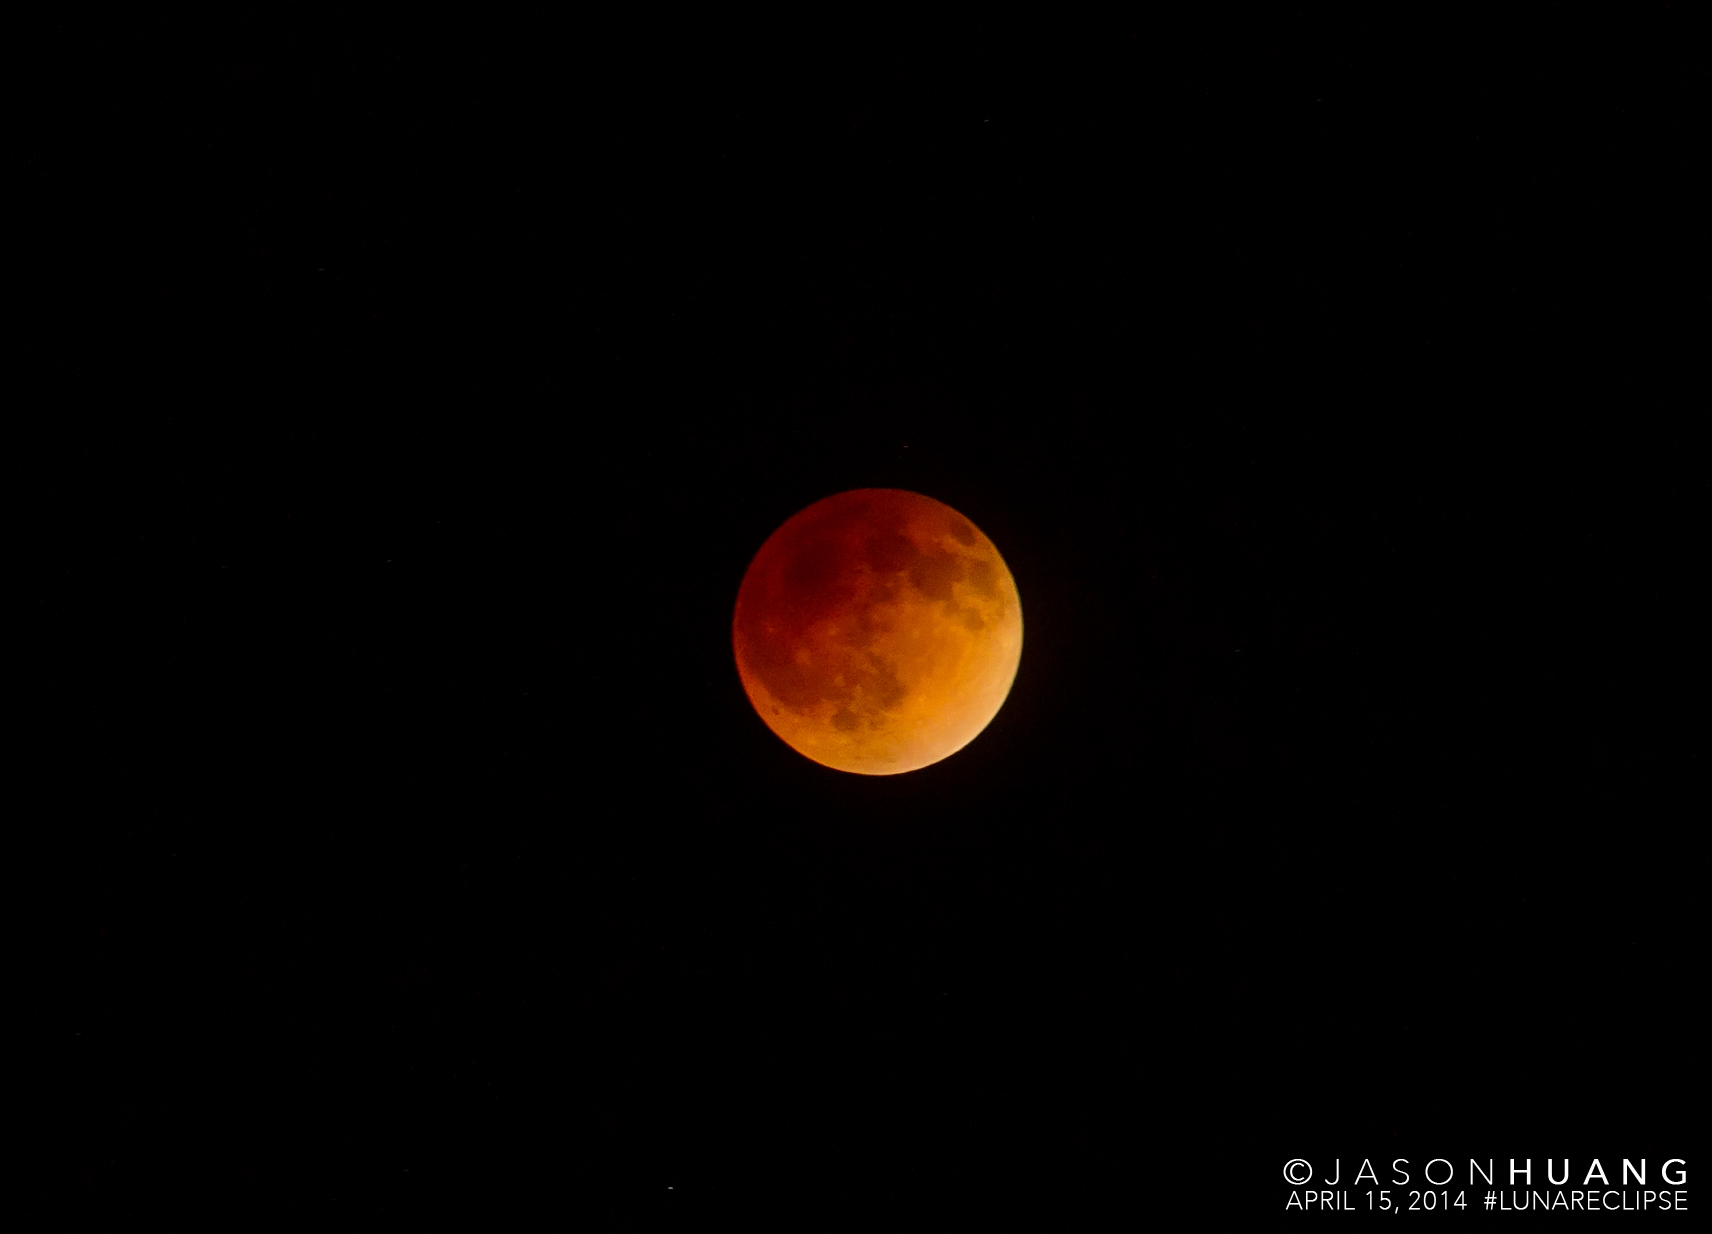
(417, 393)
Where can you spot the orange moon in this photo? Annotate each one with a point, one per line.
(878, 631)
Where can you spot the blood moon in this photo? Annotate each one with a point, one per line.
(877, 631)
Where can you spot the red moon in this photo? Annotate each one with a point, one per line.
(878, 631)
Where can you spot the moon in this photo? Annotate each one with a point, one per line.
(878, 631)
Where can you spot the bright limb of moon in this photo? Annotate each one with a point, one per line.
(877, 631)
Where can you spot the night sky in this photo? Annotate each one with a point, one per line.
(417, 395)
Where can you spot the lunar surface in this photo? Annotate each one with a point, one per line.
(877, 631)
